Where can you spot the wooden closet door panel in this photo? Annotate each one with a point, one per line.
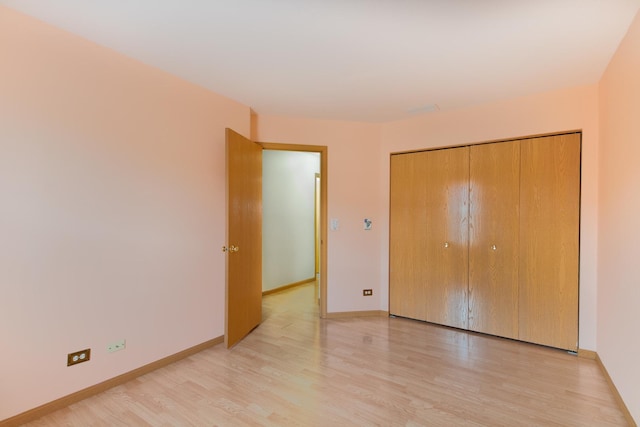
(494, 222)
(549, 240)
(407, 236)
(446, 218)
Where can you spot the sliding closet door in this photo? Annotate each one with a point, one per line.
(447, 248)
(494, 222)
(549, 240)
(429, 236)
(408, 236)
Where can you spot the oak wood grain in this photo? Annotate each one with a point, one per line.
(549, 240)
(244, 232)
(446, 216)
(494, 221)
(408, 236)
(429, 236)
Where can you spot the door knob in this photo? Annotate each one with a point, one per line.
(231, 248)
(494, 247)
(446, 244)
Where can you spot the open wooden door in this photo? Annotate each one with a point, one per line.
(244, 237)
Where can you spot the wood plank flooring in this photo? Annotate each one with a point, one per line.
(298, 370)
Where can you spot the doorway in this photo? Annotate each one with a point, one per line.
(243, 284)
(288, 219)
(319, 181)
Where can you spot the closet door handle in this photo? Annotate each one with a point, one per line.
(494, 248)
(446, 244)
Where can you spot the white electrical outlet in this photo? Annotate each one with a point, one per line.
(116, 346)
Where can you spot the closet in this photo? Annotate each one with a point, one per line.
(486, 238)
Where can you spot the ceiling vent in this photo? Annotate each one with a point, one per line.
(429, 108)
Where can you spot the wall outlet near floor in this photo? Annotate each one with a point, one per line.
(116, 346)
(367, 292)
(78, 357)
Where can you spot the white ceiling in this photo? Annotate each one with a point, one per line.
(363, 60)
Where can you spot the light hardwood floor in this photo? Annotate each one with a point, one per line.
(296, 369)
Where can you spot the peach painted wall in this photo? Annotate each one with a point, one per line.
(112, 206)
(353, 194)
(112, 212)
(564, 110)
(619, 283)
